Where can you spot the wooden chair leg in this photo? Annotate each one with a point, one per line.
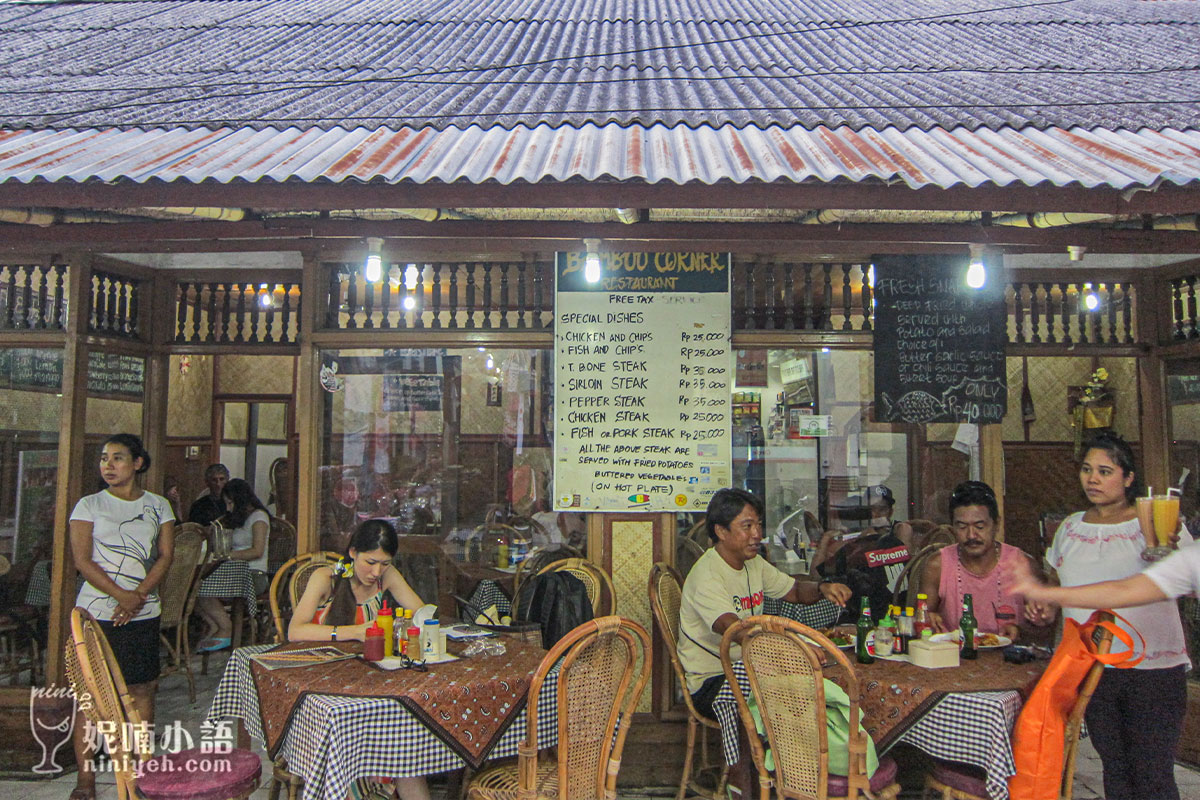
(238, 606)
(686, 778)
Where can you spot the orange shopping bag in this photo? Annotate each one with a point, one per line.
(1041, 727)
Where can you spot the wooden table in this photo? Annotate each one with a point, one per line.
(340, 722)
(963, 714)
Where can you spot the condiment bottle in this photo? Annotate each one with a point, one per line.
(904, 629)
(921, 621)
(386, 621)
(502, 551)
(885, 635)
(413, 647)
(373, 643)
(968, 626)
(860, 634)
(432, 638)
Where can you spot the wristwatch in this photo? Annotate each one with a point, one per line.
(333, 636)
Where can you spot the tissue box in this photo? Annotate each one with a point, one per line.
(932, 655)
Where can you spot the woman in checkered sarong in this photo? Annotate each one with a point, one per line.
(339, 604)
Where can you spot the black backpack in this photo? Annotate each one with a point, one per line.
(556, 601)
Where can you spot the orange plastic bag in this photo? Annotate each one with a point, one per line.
(1041, 727)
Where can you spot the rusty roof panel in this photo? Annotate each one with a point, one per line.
(656, 154)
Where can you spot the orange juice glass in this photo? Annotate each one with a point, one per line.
(1166, 517)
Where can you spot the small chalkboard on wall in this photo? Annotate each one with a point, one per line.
(939, 344)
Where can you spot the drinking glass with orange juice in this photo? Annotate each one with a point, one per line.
(1164, 509)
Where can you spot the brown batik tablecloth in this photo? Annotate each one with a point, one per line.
(467, 703)
(894, 694)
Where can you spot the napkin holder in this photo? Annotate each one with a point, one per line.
(933, 655)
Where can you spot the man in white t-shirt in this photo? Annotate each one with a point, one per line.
(728, 583)
(1173, 577)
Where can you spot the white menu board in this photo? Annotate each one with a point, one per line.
(643, 371)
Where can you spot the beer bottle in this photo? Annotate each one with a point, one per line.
(860, 634)
(968, 626)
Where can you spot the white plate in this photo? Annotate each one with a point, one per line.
(956, 636)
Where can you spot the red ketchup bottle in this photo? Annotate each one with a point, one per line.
(373, 644)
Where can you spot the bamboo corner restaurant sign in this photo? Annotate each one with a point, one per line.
(939, 344)
(643, 371)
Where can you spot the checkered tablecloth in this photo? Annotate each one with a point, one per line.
(821, 614)
(488, 593)
(333, 741)
(232, 579)
(967, 727)
(37, 593)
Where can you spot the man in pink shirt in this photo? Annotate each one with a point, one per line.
(977, 565)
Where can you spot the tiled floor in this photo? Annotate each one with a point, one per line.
(173, 705)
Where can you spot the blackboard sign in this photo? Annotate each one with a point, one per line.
(109, 374)
(939, 344)
(1183, 389)
(412, 393)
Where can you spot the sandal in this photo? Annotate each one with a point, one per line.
(213, 645)
(81, 793)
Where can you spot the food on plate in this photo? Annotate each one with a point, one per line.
(987, 640)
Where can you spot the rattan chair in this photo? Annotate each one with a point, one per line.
(177, 595)
(599, 584)
(783, 661)
(226, 776)
(287, 586)
(666, 595)
(908, 583)
(964, 782)
(605, 667)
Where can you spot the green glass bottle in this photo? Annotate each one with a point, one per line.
(968, 626)
(861, 630)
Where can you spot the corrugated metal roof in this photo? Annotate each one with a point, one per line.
(459, 63)
(942, 158)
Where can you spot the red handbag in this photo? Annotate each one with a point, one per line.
(1041, 727)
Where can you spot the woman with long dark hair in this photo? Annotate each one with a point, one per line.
(1136, 715)
(339, 604)
(251, 522)
(122, 542)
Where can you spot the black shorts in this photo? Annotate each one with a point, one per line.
(135, 644)
(703, 697)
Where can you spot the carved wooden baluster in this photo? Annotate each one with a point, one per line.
(134, 307)
(239, 318)
(99, 302)
(369, 288)
(299, 313)
(352, 300)
(255, 310)
(43, 291)
(809, 310)
(539, 296)
(385, 301)
(59, 291)
(504, 307)
(10, 297)
(847, 298)
(789, 296)
(487, 294)
(333, 305)
(1192, 313)
(27, 298)
(211, 305)
(865, 293)
(1127, 311)
(181, 306)
(285, 334)
(226, 307)
(452, 295)
(828, 297)
(435, 294)
(1051, 335)
(418, 295)
(269, 315)
(111, 322)
(1035, 319)
(1177, 307)
(769, 300)
(470, 268)
(523, 310)
(1082, 316)
(749, 307)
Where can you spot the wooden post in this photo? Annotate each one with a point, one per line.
(1154, 326)
(71, 470)
(308, 410)
(159, 333)
(991, 464)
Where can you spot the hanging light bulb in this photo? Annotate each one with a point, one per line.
(976, 272)
(1091, 301)
(409, 302)
(266, 298)
(591, 265)
(373, 267)
(411, 274)
(491, 362)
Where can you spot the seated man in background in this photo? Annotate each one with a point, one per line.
(976, 566)
(209, 507)
(728, 583)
